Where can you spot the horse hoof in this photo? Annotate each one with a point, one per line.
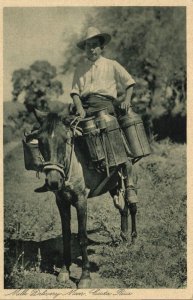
(63, 277)
(84, 283)
(133, 238)
(123, 237)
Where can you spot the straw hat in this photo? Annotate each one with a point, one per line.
(93, 32)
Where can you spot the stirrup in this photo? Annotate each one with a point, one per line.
(119, 201)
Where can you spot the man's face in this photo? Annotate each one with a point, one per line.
(93, 49)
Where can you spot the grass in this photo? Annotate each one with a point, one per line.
(159, 257)
(157, 260)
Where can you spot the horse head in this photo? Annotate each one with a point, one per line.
(55, 139)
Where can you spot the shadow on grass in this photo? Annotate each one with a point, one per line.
(46, 254)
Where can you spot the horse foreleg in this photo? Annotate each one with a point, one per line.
(81, 207)
(65, 213)
(133, 211)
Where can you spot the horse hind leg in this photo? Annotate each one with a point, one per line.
(132, 205)
(130, 197)
(124, 222)
(133, 211)
(122, 206)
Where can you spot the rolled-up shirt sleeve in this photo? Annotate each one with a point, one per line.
(122, 76)
(75, 84)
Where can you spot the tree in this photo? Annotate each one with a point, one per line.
(139, 33)
(150, 42)
(39, 84)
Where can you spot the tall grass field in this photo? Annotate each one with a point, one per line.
(32, 229)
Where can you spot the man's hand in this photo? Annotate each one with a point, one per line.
(81, 112)
(125, 106)
(77, 102)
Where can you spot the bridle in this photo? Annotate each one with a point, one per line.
(48, 166)
(66, 169)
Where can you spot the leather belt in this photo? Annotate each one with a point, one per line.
(101, 96)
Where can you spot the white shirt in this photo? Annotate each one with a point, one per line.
(100, 77)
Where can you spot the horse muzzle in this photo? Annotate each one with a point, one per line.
(55, 176)
(53, 186)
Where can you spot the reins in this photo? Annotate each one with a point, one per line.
(74, 128)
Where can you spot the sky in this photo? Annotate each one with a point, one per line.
(38, 33)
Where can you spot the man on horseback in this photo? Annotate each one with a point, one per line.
(95, 85)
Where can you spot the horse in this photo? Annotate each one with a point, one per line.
(67, 175)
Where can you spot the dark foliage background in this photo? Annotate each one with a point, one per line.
(150, 42)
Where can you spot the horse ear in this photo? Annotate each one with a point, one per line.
(40, 115)
(68, 109)
(31, 135)
(67, 120)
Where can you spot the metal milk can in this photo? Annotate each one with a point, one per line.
(132, 126)
(32, 157)
(93, 140)
(114, 149)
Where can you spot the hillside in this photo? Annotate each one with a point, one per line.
(157, 260)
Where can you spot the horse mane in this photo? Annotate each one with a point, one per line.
(50, 122)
